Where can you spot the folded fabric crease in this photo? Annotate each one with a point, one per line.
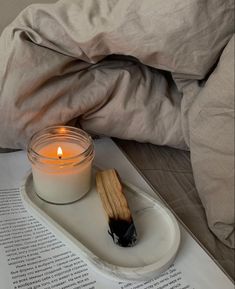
(102, 62)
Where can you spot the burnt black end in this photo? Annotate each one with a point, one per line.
(123, 232)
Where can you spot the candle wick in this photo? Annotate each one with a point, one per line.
(60, 157)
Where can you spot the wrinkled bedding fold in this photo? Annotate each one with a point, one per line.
(150, 70)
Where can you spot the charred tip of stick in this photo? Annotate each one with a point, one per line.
(123, 232)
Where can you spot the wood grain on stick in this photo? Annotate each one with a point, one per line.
(111, 192)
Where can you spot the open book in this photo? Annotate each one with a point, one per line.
(32, 256)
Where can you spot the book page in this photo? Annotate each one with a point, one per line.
(32, 256)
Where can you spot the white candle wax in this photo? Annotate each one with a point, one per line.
(57, 179)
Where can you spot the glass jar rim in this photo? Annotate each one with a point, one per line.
(87, 151)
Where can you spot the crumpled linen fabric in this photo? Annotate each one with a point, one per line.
(131, 69)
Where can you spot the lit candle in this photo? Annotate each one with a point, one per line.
(59, 152)
(61, 159)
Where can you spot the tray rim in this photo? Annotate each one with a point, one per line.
(114, 272)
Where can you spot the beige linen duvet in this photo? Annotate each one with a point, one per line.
(154, 71)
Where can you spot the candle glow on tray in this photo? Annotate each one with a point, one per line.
(61, 159)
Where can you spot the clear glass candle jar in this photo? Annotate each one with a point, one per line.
(61, 159)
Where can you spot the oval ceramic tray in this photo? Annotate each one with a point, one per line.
(84, 228)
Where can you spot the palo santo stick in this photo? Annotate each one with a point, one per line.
(121, 225)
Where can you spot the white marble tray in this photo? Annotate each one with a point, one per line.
(83, 226)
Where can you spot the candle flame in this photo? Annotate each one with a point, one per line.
(59, 152)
